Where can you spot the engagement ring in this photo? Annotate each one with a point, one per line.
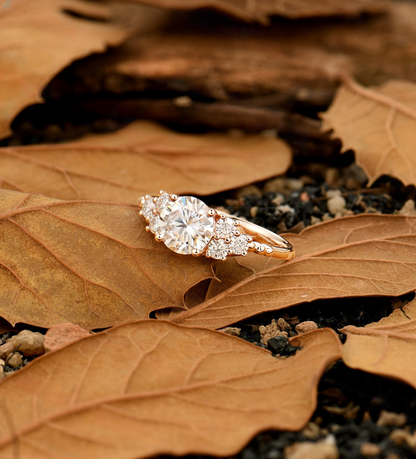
(188, 226)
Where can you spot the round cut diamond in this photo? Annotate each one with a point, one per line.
(148, 208)
(218, 249)
(225, 227)
(239, 245)
(186, 225)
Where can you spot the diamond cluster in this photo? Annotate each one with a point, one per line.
(188, 226)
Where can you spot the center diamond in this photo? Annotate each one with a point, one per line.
(186, 226)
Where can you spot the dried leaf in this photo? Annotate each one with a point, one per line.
(377, 123)
(260, 10)
(142, 158)
(386, 348)
(366, 255)
(89, 263)
(38, 39)
(151, 387)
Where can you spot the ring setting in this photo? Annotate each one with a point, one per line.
(188, 226)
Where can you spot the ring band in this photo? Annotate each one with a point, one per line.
(189, 227)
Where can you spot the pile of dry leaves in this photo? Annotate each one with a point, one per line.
(250, 105)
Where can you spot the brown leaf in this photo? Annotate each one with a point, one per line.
(261, 9)
(275, 65)
(386, 348)
(366, 255)
(89, 263)
(151, 387)
(377, 123)
(142, 158)
(38, 39)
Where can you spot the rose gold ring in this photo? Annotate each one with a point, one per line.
(188, 226)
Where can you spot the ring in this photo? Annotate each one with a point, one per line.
(189, 227)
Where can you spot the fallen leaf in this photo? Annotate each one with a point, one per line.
(38, 39)
(151, 387)
(385, 348)
(365, 255)
(275, 66)
(88, 263)
(142, 159)
(260, 10)
(60, 335)
(377, 123)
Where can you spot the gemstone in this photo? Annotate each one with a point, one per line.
(239, 245)
(148, 208)
(218, 249)
(154, 224)
(225, 227)
(186, 225)
(162, 201)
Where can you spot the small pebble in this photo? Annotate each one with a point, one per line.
(283, 185)
(408, 208)
(333, 193)
(336, 205)
(233, 331)
(370, 450)
(280, 345)
(306, 326)
(311, 430)
(282, 324)
(326, 217)
(308, 450)
(15, 360)
(62, 334)
(182, 101)
(315, 220)
(253, 211)
(331, 176)
(249, 190)
(28, 343)
(278, 200)
(390, 419)
(400, 437)
(268, 332)
(5, 350)
(304, 197)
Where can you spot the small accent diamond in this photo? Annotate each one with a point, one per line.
(225, 227)
(239, 245)
(218, 249)
(154, 224)
(162, 201)
(148, 208)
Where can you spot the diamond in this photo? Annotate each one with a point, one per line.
(148, 208)
(162, 201)
(239, 245)
(218, 249)
(186, 225)
(225, 227)
(154, 224)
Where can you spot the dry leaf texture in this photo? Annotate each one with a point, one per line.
(386, 348)
(38, 39)
(378, 124)
(84, 262)
(259, 10)
(368, 255)
(151, 387)
(142, 159)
